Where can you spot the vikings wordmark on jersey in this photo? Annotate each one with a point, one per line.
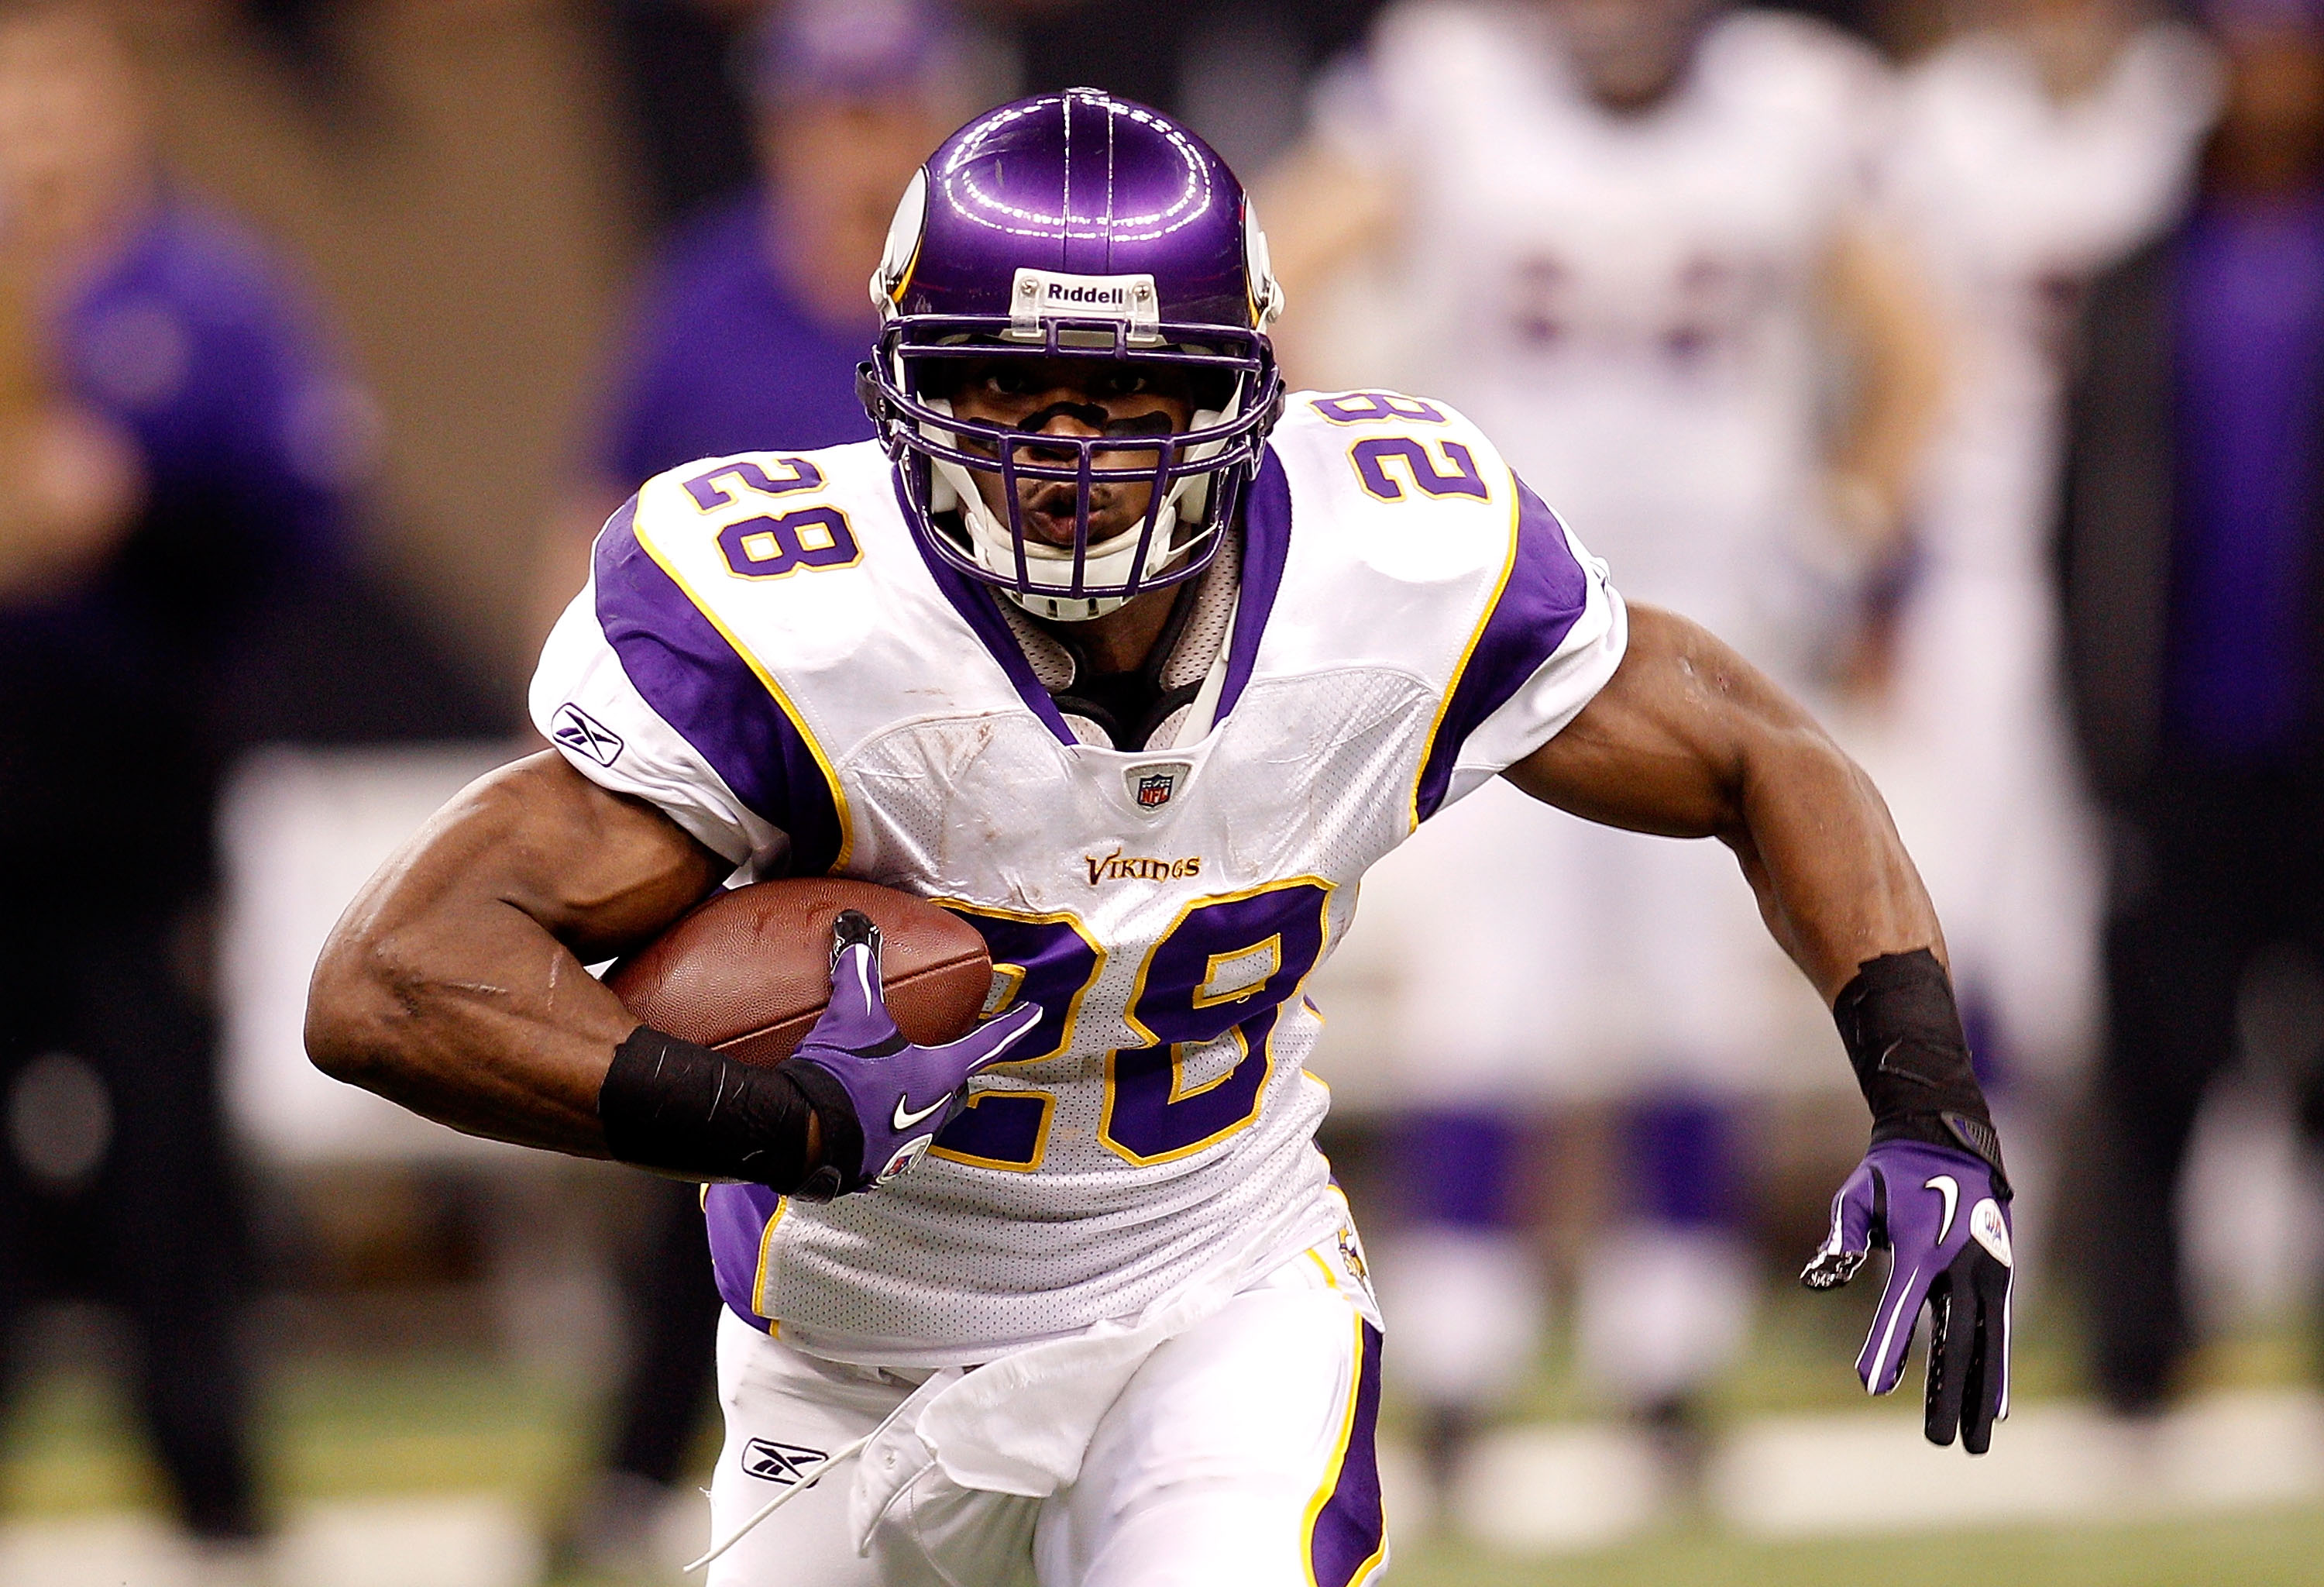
(796, 681)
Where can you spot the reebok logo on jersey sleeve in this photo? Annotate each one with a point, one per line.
(574, 729)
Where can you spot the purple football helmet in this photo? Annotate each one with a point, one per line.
(1075, 225)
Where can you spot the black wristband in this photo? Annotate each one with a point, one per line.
(684, 1109)
(841, 1165)
(1905, 1041)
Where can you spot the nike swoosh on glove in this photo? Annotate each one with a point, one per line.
(1936, 1210)
(902, 1095)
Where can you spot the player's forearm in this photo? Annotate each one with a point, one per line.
(1815, 839)
(486, 1024)
(455, 982)
(1689, 740)
(1841, 895)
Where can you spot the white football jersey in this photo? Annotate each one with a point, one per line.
(765, 652)
(1629, 304)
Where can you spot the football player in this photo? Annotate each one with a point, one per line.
(1626, 235)
(1136, 662)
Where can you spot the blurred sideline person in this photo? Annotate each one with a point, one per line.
(2044, 142)
(752, 317)
(750, 329)
(179, 448)
(1622, 234)
(2194, 528)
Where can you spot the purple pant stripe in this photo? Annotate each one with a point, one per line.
(1351, 1531)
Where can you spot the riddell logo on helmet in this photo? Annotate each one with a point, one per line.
(1047, 294)
(1104, 297)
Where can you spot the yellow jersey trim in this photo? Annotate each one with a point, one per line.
(1460, 670)
(758, 1302)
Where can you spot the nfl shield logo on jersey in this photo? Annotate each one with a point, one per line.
(1153, 787)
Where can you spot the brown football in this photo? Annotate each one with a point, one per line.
(749, 971)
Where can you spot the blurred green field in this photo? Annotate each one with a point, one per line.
(2246, 1551)
(337, 1426)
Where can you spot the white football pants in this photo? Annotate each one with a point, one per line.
(1240, 1452)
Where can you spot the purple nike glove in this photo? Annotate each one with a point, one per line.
(899, 1095)
(1934, 1207)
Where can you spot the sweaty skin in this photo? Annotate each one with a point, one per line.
(455, 984)
(1689, 740)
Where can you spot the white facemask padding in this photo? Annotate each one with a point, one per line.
(1109, 562)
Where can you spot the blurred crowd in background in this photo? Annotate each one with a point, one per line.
(1960, 361)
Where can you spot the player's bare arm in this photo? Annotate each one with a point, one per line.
(455, 982)
(455, 985)
(1689, 740)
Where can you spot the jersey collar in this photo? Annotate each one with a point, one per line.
(1267, 543)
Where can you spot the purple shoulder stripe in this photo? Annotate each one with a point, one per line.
(695, 681)
(737, 1216)
(974, 603)
(1545, 595)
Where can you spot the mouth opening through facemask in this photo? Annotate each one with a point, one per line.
(1188, 478)
(1062, 483)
